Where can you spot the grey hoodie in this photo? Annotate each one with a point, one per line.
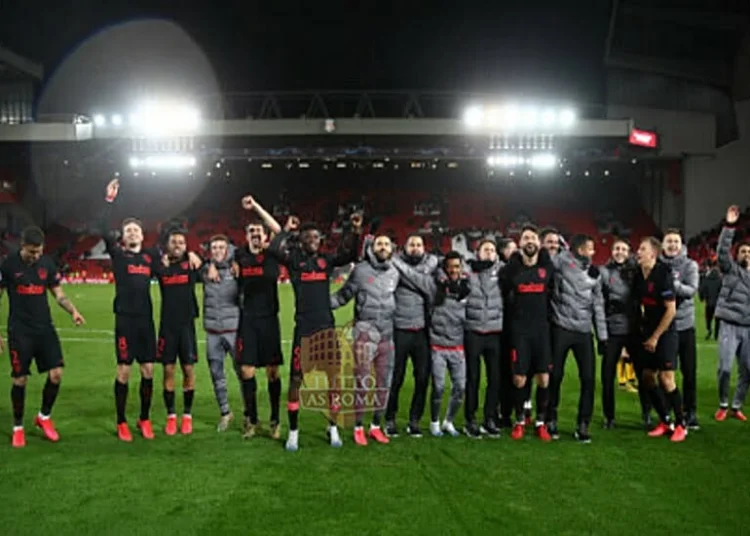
(221, 301)
(686, 281)
(734, 299)
(447, 310)
(617, 282)
(577, 300)
(484, 311)
(410, 303)
(372, 284)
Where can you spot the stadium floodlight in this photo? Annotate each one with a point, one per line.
(100, 120)
(549, 117)
(164, 118)
(513, 118)
(117, 120)
(567, 118)
(543, 161)
(163, 161)
(473, 116)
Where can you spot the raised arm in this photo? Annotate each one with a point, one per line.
(249, 203)
(349, 249)
(102, 224)
(726, 263)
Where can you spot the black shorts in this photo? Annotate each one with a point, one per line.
(135, 339)
(311, 339)
(26, 346)
(259, 342)
(177, 342)
(665, 356)
(531, 353)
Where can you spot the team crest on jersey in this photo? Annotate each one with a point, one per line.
(42, 273)
(260, 258)
(322, 263)
(542, 272)
(370, 280)
(184, 265)
(650, 286)
(147, 258)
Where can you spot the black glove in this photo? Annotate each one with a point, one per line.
(601, 347)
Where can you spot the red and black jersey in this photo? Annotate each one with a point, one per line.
(27, 286)
(526, 292)
(258, 277)
(179, 306)
(651, 294)
(133, 273)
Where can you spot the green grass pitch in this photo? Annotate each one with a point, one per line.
(210, 483)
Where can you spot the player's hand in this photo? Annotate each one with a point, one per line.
(356, 218)
(248, 203)
(112, 189)
(165, 260)
(195, 261)
(292, 224)
(733, 214)
(78, 319)
(601, 347)
(650, 344)
(213, 274)
(235, 269)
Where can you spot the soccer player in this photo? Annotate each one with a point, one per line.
(617, 283)
(653, 289)
(177, 340)
(577, 303)
(506, 248)
(708, 292)
(411, 339)
(484, 326)
(525, 282)
(372, 284)
(27, 275)
(686, 279)
(310, 274)
(259, 340)
(221, 319)
(733, 309)
(550, 238)
(447, 293)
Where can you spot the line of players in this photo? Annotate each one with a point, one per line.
(521, 311)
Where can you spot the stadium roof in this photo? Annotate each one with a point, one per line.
(14, 67)
(690, 39)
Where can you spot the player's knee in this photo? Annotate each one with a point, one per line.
(20, 381)
(542, 380)
(248, 372)
(667, 380)
(272, 373)
(55, 375)
(519, 381)
(147, 370)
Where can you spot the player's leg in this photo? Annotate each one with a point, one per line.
(21, 354)
(456, 361)
(507, 389)
(708, 313)
(145, 354)
(50, 360)
(439, 368)
(583, 352)
(492, 352)
(272, 358)
(295, 380)
(473, 366)
(729, 345)
(610, 360)
(644, 396)
(364, 354)
(188, 355)
(216, 351)
(688, 365)
(383, 365)
(421, 363)
(248, 347)
(401, 340)
(561, 343)
(520, 360)
(666, 352)
(124, 341)
(541, 362)
(743, 374)
(274, 396)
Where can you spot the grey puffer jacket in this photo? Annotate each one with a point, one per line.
(410, 302)
(372, 284)
(221, 301)
(577, 299)
(484, 310)
(447, 303)
(734, 299)
(617, 283)
(686, 281)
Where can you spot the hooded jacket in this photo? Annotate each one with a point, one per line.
(577, 300)
(734, 299)
(686, 280)
(484, 310)
(371, 284)
(617, 285)
(221, 301)
(411, 309)
(447, 303)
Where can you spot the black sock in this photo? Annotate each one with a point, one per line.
(542, 399)
(18, 397)
(376, 418)
(249, 389)
(675, 400)
(49, 395)
(274, 394)
(520, 400)
(187, 398)
(147, 390)
(293, 415)
(169, 401)
(121, 400)
(658, 402)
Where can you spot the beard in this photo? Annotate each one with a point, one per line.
(744, 263)
(413, 259)
(382, 256)
(530, 250)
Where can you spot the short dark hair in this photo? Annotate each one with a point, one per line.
(530, 227)
(128, 221)
(484, 241)
(673, 230)
(176, 231)
(745, 242)
(620, 239)
(219, 238)
(32, 236)
(266, 229)
(578, 241)
(309, 226)
(414, 235)
(452, 255)
(547, 231)
(653, 242)
(504, 243)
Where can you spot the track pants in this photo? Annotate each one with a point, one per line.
(615, 344)
(506, 378)
(414, 344)
(452, 360)
(582, 345)
(689, 367)
(734, 341)
(478, 345)
(373, 370)
(218, 346)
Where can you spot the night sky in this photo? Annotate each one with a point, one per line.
(530, 48)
